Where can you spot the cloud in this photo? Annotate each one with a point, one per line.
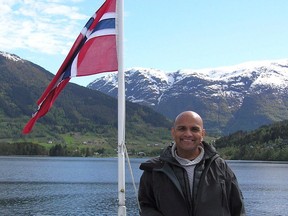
(47, 26)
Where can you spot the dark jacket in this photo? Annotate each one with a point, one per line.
(164, 187)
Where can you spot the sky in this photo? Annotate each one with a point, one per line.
(160, 34)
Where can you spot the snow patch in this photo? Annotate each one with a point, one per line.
(11, 56)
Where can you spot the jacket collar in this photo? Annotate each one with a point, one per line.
(166, 155)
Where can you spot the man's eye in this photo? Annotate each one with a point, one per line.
(181, 129)
(195, 129)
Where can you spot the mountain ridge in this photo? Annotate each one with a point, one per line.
(223, 96)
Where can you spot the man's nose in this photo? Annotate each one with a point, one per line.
(188, 133)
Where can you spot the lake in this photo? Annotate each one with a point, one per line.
(43, 186)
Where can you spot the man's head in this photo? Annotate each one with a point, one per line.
(188, 133)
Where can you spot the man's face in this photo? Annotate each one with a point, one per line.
(188, 133)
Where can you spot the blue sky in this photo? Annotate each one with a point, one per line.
(159, 34)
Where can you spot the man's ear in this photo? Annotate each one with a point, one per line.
(203, 133)
(172, 132)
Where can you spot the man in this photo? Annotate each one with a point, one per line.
(189, 178)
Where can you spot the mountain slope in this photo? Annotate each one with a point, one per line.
(242, 97)
(77, 109)
(268, 142)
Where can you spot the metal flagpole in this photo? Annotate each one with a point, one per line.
(121, 111)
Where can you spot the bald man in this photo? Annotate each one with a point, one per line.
(189, 178)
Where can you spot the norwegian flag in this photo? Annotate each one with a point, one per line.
(94, 51)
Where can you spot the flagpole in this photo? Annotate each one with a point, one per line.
(121, 112)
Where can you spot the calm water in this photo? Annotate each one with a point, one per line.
(42, 186)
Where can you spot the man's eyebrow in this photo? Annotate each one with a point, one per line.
(180, 126)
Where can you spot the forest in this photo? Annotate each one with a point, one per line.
(268, 142)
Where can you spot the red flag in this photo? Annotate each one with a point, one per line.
(94, 51)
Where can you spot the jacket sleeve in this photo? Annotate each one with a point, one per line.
(146, 196)
(236, 199)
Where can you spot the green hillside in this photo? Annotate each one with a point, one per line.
(81, 122)
(269, 142)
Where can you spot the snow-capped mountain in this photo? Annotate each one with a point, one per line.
(10, 56)
(240, 97)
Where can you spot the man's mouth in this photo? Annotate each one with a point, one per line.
(187, 140)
